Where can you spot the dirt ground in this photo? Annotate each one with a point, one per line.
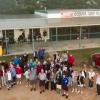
(23, 93)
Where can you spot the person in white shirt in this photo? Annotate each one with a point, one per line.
(26, 74)
(98, 83)
(42, 78)
(91, 77)
(8, 79)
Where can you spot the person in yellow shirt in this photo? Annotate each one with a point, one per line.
(0, 50)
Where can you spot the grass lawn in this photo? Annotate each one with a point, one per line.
(81, 55)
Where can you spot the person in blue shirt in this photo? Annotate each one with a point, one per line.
(35, 54)
(31, 64)
(16, 60)
(41, 53)
(13, 74)
(64, 84)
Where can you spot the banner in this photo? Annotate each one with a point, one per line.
(74, 13)
(80, 13)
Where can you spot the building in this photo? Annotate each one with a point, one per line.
(58, 24)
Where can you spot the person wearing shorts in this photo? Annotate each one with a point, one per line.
(18, 74)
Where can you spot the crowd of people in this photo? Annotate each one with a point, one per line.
(56, 73)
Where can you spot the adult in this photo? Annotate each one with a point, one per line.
(1, 76)
(45, 36)
(39, 67)
(42, 79)
(16, 60)
(91, 77)
(98, 83)
(41, 53)
(13, 73)
(30, 63)
(33, 79)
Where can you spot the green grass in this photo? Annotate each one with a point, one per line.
(81, 55)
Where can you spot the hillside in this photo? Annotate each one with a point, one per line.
(28, 6)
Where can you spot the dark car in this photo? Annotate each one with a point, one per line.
(96, 60)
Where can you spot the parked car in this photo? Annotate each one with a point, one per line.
(95, 58)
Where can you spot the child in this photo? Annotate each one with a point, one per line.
(33, 79)
(8, 79)
(26, 74)
(80, 80)
(65, 85)
(18, 74)
(91, 77)
(74, 81)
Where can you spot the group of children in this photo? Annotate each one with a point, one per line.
(57, 73)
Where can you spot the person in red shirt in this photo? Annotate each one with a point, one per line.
(39, 67)
(71, 60)
(18, 74)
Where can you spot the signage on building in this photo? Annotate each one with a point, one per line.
(74, 13)
(80, 13)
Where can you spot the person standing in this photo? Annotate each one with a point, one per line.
(33, 79)
(30, 63)
(80, 81)
(91, 77)
(53, 80)
(26, 74)
(98, 83)
(4, 76)
(74, 81)
(13, 73)
(42, 78)
(64, 84)
(8, 79)
(16, 60)
(45, 36)
(18, 74)
(1, 76)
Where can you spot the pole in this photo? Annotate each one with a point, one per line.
(56, 34)
(80, 40)
(6, 42)
(32, 40)
(70, 33)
